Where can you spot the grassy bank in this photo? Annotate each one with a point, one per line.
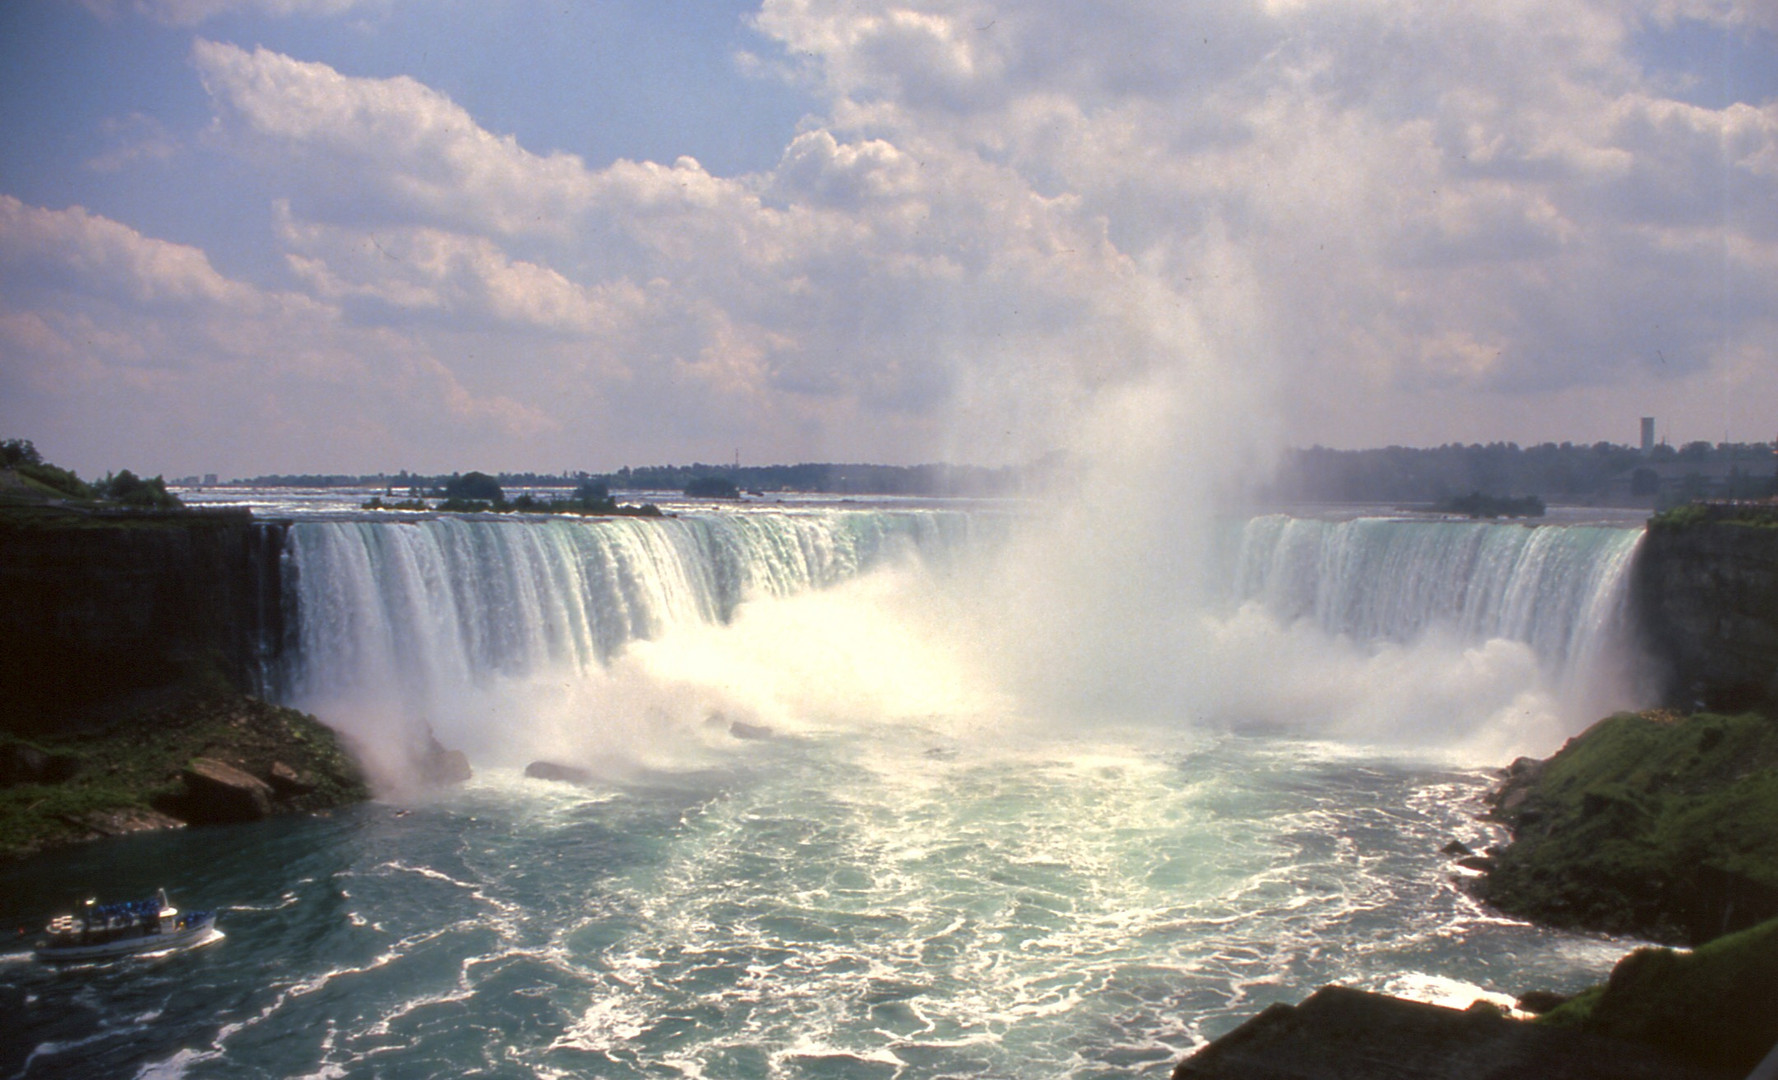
(128, 775)
(1716, 1007)
(1653, 824)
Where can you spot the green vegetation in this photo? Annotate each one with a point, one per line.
(127, 488)
(590, 499)
(23, 458)
(28, 481)
(1713, 1007)
(474, 487)
(1478, 505)
(1650, 824)
(1688, 515)
(712, 487)
(1565, 472)
(133, 766)
(810, 477)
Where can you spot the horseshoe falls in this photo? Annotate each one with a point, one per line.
(870, 793)
(507, 636)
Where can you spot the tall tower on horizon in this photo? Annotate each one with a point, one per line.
(1648, 434)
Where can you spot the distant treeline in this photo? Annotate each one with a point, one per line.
(821, 478)
(1602, 473)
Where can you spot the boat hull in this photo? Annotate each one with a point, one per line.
(201, 933)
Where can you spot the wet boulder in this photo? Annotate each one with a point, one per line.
(288, 782)
(217, 793)
(564, 774)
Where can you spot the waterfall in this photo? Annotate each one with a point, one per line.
(511, 635)
(495, 632)
(1559, 589)
(427, 603)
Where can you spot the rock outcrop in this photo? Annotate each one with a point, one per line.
(1716, 1006)
(217, 793)
(1654, 824)
(562, 774)
(1705, 593)
(94, 607)
(205, 759)
(1343, 1034)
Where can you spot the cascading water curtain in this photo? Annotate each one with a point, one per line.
(418, 605)
(1559, 589)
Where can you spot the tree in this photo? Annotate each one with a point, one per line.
(126, 487)
(16, 452)
(474, 485)
(712, 487)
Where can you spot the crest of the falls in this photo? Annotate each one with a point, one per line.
(416, 603)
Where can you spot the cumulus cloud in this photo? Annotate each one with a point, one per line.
(1385, 220)
(392, 148)
(860, 278)
(1485, 199)
(99, 322)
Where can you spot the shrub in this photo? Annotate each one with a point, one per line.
(126, 487)
(712, 487)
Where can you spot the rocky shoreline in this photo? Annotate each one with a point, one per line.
(197, 757)
(1653, 825)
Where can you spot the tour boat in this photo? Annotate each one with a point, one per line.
(101, 931)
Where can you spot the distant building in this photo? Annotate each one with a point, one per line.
(1648, 434)
(209, 479)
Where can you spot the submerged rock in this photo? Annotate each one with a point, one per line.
(565, 774)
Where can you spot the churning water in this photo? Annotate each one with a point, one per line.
(820, 838)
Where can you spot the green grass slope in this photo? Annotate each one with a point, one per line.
(128, 775)
(1650, 824)
(1717, 1006)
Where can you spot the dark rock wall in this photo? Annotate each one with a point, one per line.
(1706, 599)
(91, 609)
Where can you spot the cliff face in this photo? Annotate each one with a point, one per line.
(92, 607)
(1705, 589)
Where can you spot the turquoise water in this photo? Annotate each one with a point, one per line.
(890, 904)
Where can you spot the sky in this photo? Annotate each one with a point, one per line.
(252, 236)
